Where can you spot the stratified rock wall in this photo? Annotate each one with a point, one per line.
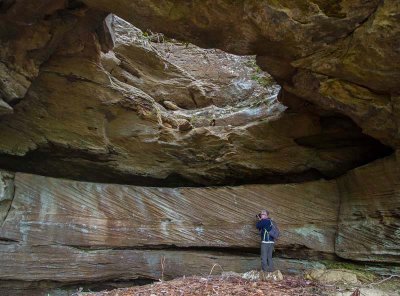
(369, 220)
(53, 211)
(124, 232)
(6, 194)
(78, 101)
(68, 264)
(89, 231)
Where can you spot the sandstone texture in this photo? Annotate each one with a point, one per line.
(88, 96)
(73, 265)
(123, 232)
(369, 220)
(6, 194)
(332, 276)
(5, 108)
(308, 46)
(91, 232)
(30, 33)
(49, 211)
(147, 116)
(56, 222)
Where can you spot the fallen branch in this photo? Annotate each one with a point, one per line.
(384, 280)
(213, 269)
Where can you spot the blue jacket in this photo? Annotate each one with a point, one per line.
(264, 226)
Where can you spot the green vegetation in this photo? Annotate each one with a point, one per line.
(160, 38)
(261, 77)
(264, 80)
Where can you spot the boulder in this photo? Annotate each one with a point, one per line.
(255, 275)
(366, 292)
(171, 105)
(184, 125)
(332, 276)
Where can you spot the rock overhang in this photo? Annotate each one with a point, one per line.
(83, 113)
(135, 117)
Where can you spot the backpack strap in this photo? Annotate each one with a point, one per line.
(266, 232)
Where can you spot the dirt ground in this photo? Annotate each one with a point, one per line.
(218, 285)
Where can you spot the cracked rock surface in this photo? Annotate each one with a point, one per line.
(154, 113)
(303, 44)
(6, 194)
(88, 96)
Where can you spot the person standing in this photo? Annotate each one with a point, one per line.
(264, 226)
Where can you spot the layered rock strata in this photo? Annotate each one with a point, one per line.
(111, 118)
(125, 231)
(369, 220)
(6, 194)
(47, 211)
(78, 101)
(30, 33)
(336, 55)
(68, 265)
(93, 232)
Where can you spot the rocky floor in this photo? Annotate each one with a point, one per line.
(234, 285)
(218, 285)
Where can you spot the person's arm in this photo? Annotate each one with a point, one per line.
(259, 225)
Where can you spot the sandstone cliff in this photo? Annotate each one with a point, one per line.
(88, 96)
(147, 116)
(125, 231)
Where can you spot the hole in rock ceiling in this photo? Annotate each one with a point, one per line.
(197, 82)
(168, 113)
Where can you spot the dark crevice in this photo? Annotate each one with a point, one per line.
(75, 5)
(8, 240)
(192, 97)
(339, 133)
(5, 5)
(6, 204)
(82, 166)
(240, 251)
(14, 102)
(289, 252)
(85, 166)
(296, 252)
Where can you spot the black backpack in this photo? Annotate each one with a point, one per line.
(274, 232)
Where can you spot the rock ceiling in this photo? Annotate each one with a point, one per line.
(86, 95)
(81, 93)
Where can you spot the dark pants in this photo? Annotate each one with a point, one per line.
(266, 257)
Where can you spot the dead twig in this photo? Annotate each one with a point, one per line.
(384, 280)
(213, 269)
